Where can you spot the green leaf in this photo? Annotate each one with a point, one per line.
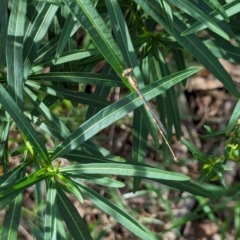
(53, 121)
(193, 44)
(72, 218)
(167, 13)
(91, 21)
(50, 222)
(98, 151)
(71, 187)
(121, 216)
(65, 34)
(139, 142)
(223, 49)
(213, 170)
(65, 57)
(18, 186)
(215, 134)
(195, 151)
(23, 124)
(55, 2)
(122, 36)
(77, 97)
(14, 51)
(84, 157)
(61, 232)
(170, 102)
(48, 129)
(124, 169)
(187, 186)
(215, 5)
(4, 130)
(234, 118)
(35, 31)
(47, 50)
(117, 110)
(193, 11)
(3, 33)
(94, 179)
(82, 77)
(13, 174)
(230, 8)
(48, 100)
(102, 91)
(12, 219)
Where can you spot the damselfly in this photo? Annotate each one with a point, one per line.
(128, 73)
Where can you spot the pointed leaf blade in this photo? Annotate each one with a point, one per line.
(23, 124)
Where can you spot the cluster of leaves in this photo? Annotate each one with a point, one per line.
(42, 34)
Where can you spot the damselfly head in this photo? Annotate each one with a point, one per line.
(127, 72)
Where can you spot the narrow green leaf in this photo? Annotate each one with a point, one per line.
(12, 219)
(55, 2)
(223, 49)
(65, 34)
(78, 97)
(215, 5)
(195, 12)
(230, 8)
(6, 201)
(70, 215)
(12, 175)
(51, 130)
(195, 150)
(121, 216)
(35, 32)
(188, 187)
(234, 118)
(50, 222)
(61, 232)
(65, 57)
(4, 130)
(178, 56)
(139, 147)
(16, 187)
(124, 169)
(3, 33)
(98, 151)
(82, 77)
(221, 133)
(167, 12)
(23, 124)
(166, 120)
(71, 187)
(47, 50)
(171, 105)
(73, 66)
(102, 91)
(40, 189)
(94, 179)
(53, 121)
(193, 44)
(117, 110)
(122, 36)
(14, 51)
(208, 174)
(84, 157)
(48, 100)
(94, 25)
